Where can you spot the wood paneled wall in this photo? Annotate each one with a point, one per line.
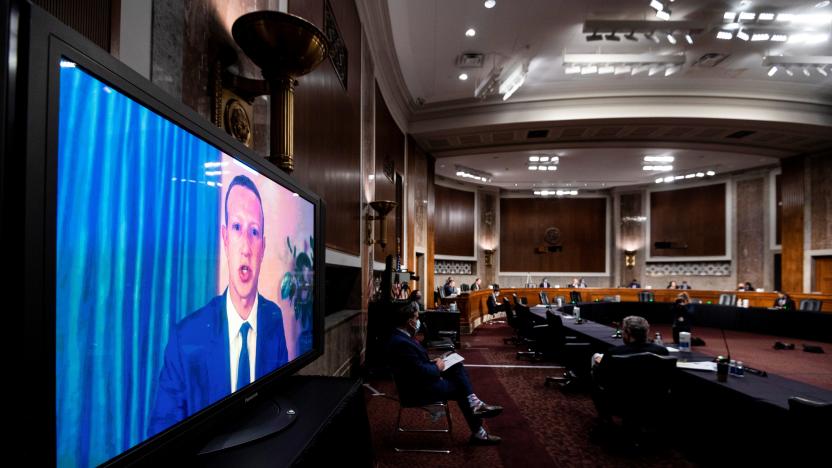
(694, 217)
(328, 129)
(791, 235)
(821, 173)
(454, 214)
(778, 210)
(390, 143)
(92, 18)
(582, 225)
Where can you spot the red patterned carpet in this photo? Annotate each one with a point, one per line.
(540, 426)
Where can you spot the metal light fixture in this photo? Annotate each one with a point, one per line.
(383, 208)
(630, 258)
(489, 256)
(285, 47)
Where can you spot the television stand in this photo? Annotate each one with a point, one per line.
(271, 417)
(331, 421)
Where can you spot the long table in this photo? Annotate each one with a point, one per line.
(473, 307)
(774, 390)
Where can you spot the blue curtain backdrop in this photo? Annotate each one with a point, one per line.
(137, 250)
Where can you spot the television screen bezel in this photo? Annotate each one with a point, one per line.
(43, 41)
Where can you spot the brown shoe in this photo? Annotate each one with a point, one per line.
(489, 439)
(487, 411)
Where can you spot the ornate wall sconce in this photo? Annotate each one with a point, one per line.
(630, 258)
(489, 257)
(382, 207)
(284, 46)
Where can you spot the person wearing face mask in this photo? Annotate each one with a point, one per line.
(422, 381)
(416, 298)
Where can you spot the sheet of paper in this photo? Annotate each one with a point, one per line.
(671, 349)
(452, 359)
(703, 366)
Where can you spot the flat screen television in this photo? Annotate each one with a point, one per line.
(161, 257)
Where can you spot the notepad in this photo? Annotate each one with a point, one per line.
(671, 349)
(452, 359)
(709, 366)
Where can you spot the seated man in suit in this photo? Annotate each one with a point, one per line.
(545, 283)
(476, 285)
(684, 285)
(681, 316)
(635, 331)
(450, 288)
(492, 303)
(574, 284)
(425, 381)
(634, 284)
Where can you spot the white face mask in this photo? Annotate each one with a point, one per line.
(418, 325)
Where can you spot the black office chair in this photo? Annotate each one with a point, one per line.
(511, 318)
(575, 297)
(811, 305)
(435, 340)
(544, 299)
(646, 296)
(518, 300)
(569, 351)
(463, 287)
(728, 299)
(530, 332)
(635, 387)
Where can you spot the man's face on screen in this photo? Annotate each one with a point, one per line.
(244, 245)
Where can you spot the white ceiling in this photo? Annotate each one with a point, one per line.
(428, 36)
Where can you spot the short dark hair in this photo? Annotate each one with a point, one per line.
(637, 327)
(405, 313)
(244, 182)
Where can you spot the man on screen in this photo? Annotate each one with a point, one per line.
(235, 338)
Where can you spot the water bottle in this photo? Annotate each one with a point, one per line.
(732, 367)
(684, 342)
(740, 372)
(658, 339)
(576, 311)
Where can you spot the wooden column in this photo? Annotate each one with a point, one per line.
(430, 247)
(792, 186)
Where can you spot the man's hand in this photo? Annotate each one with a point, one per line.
(440, 363)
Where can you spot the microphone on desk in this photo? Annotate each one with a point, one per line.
(725, 340)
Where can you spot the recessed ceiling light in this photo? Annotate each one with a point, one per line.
(463, 76)
(656, 5)
(725, 35)
(490, 3)
(659, 180)
(534, 158)
(766, 16)
(747, 16)
(532, 168)
(700, 174)
(729, 16)
(805, 71)
(772, 70)
(659, 159)
(789, 72)
(664, 14)
(544, 158)
(671, 39)
(760, 37)
(822, 4)
(471, 32)
(821, 70)
(689, 38)
(779, 38)
(731, 26)
(710, 173)
(743, 35)
(551, 168)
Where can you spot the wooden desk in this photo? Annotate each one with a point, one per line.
(474, 309)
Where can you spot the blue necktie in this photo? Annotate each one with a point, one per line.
(244, 369)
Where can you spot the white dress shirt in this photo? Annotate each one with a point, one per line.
(235, 340)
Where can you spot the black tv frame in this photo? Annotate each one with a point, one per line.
(30, 119)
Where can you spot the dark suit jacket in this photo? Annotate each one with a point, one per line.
(544, 284)
(475, 287)
(625, 350)
(196, 366)
(684, 286)
(417, 377)
(493, 305)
